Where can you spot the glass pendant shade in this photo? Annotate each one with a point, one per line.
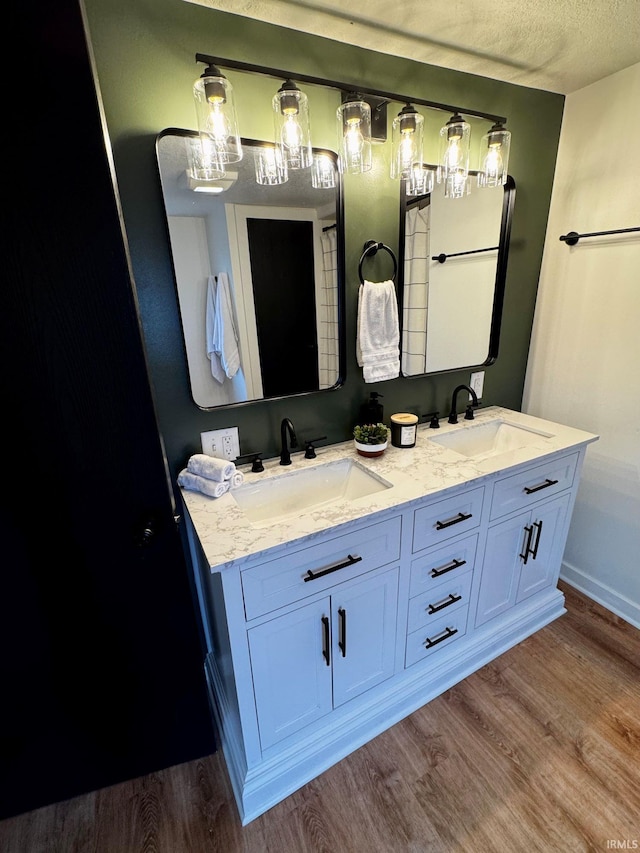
(494, 157)
(421, 180)
(407, 133)
(323, 173)
(292, 131)
(453, 169)
(216, 113)
(271, 169)
(354, 135)
(203, 164)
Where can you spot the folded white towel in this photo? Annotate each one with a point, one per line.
(200, 484)
(378, 331)
(237, 479)
(210, 467)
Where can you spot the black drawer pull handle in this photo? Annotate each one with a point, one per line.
(529, 490)
(534, 553)
(440, 525)
(435, 573)
(433, 608)
(326, 652)
(312, 576)
(527, 547)
(448, 632)
(342, 641)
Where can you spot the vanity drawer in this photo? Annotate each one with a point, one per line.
(436, 636)
(438, 603)
(441, 520)
(520, 490)
(294, 576)
(442, 565)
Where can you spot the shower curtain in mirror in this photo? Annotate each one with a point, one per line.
(328, 314)
(416, 289)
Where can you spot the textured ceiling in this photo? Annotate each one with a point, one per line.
(556, 45)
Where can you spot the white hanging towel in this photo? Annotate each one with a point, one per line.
(222, 339)
(378, 331)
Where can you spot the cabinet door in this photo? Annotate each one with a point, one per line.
(501, 567)
(363, 618)
(543, 562)
(290, 659)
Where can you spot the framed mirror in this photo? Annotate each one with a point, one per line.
(259, 274)
(452, 270)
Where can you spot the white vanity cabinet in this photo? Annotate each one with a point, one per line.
(523, 552)
(321, 635)
(317, 657)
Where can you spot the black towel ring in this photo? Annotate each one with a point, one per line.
(370, 249)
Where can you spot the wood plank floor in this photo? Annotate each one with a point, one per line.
(539, 751)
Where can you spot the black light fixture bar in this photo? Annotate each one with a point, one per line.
(572, 237)
(341, 86)
(442, 257)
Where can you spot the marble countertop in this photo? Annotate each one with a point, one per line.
(227, 536)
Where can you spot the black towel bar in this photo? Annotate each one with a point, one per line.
(572, 237)
(370, 249)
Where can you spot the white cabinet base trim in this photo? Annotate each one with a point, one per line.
(260, 788)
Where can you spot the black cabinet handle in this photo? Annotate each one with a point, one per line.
(312, 576)
(448, 632)
(527, 547)
(529, 490)
(433, 608)
(342, 641)
(435, 573)
(440, 525)
(326, 647)
(534, 553)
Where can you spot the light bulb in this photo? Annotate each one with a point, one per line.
(354, 143)
(492, 167)
(354, 135)
(218, 124)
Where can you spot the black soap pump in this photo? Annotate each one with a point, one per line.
(371, 411)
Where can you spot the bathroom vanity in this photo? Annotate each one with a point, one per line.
(342, 593)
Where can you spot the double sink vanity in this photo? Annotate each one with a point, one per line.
(339, 594)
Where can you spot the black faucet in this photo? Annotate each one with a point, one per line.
(453, 416)
(285, 456)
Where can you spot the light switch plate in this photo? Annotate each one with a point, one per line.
(477, 383)
(221, 443)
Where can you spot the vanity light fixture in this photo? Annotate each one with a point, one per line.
(323, 175)
(216, 113)
(292, 131)
(421, 179)
(407, 133)
(213, 185)
(494, 156)
(354, 135)
(454, 156)
(271, 168)
(201, 158)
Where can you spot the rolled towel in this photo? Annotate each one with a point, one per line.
(237, 479)
(195, 483)
(210, 467)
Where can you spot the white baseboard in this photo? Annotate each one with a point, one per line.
(602, 594)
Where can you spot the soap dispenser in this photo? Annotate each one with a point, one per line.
(371, 412)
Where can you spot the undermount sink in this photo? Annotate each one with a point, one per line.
(293, 493)
(489, 439)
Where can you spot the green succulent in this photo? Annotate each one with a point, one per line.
(371, 433)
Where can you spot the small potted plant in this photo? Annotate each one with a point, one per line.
(371, 439)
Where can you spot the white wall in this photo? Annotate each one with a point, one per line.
(584, 361)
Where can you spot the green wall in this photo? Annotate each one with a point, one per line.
(145, 60)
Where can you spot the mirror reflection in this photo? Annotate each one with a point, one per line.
(453, 255)
(258, 274)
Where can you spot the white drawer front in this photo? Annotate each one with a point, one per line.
(436, 636)
(441, 520)
(439, 602)
(440, 565)
(294, 576)
(521, 490)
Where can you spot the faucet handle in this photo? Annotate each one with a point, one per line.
(468, 415)
(309, 449)
(434, 422)
(256, 461)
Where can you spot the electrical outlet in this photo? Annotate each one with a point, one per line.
(477, 383)
(221, 443)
